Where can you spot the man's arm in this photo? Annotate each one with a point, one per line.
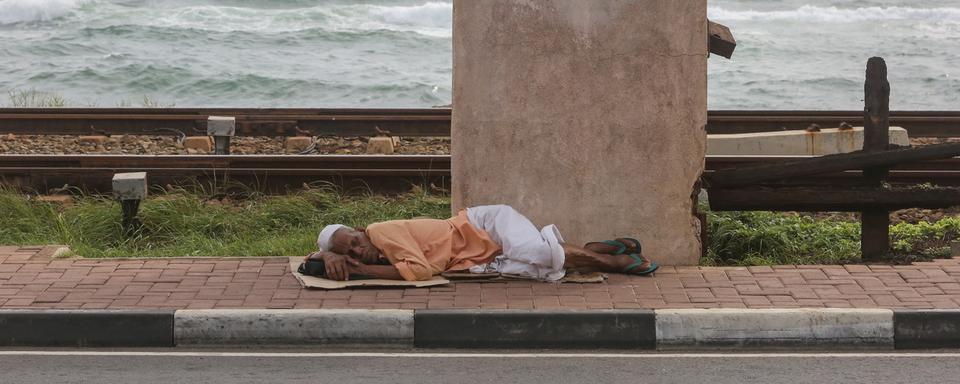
(388, 272)
(340, 267)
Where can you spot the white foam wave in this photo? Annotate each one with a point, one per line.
(429, 18)
(25, 11)
(839, 15)
(432, 14)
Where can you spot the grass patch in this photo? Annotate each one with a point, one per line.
(178, 222)
(185, 224)
(768, 238)
(32, 98)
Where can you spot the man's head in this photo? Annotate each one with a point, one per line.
(349, 241)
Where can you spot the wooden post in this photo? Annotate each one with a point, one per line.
(875, 223)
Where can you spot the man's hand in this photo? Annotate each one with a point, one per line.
(337, 266)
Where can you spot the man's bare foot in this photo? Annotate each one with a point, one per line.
(625, 246)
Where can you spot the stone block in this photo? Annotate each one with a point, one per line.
(297, 144)
(221, 126)
(585, 114)
(198, 143)
(380, 145)
(56, 199)
(797, 143)
(130, 186)
(92, 139)
(8, 137)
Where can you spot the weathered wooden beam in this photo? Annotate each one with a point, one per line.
(805, 199)
(744, 176)
(722, 41)
(875, 222)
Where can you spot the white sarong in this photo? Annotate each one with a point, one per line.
(527, 252)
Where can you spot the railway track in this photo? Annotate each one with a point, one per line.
(278, 174)
(384, 173)
(400, 122)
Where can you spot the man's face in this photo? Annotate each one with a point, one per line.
(355, 244)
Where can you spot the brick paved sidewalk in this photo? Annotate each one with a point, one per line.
(29, 278)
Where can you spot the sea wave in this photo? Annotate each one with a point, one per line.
(838, 15)
(26, 11)
(432, 14)
(433, 19)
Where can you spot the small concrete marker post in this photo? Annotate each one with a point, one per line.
(222, 128)
(130, 189)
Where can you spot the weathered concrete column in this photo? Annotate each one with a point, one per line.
(586, 114)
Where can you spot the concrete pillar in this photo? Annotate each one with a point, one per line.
(586, 114)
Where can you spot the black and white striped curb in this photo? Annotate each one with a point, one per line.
(623, 329)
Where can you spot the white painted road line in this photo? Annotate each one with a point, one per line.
(474, 355)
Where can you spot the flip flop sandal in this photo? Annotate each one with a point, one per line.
(638, 262)
(621, 247)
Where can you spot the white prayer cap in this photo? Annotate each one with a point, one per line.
(326, 235)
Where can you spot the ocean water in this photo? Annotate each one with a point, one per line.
(792, 54)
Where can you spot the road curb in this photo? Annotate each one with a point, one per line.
(86, 328)
(665, 329)
(534, 329)
(293, 327)
(732, 328)
(924, 329)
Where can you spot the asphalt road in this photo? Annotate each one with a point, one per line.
(177, 366)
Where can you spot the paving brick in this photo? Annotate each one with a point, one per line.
(266, 283)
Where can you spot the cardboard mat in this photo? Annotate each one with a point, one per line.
(321, 283)
(461, 277)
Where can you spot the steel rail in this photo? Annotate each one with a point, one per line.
(400, 122)
(381, 173)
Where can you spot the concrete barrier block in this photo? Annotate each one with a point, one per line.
(692, 328)
(922, 329)
(293, 327)
(64, 200)
(198, 143)
(92, 139)
(86, 328)
(130, 186)
(297, 144)
(380, 145)
(221, 126)
(796, 143)
(535, 329)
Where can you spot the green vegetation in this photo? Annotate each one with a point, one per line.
(180, 223)
(767, 238)
(33, 98)
(177, 222)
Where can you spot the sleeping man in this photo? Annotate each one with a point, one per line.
(493, 238)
